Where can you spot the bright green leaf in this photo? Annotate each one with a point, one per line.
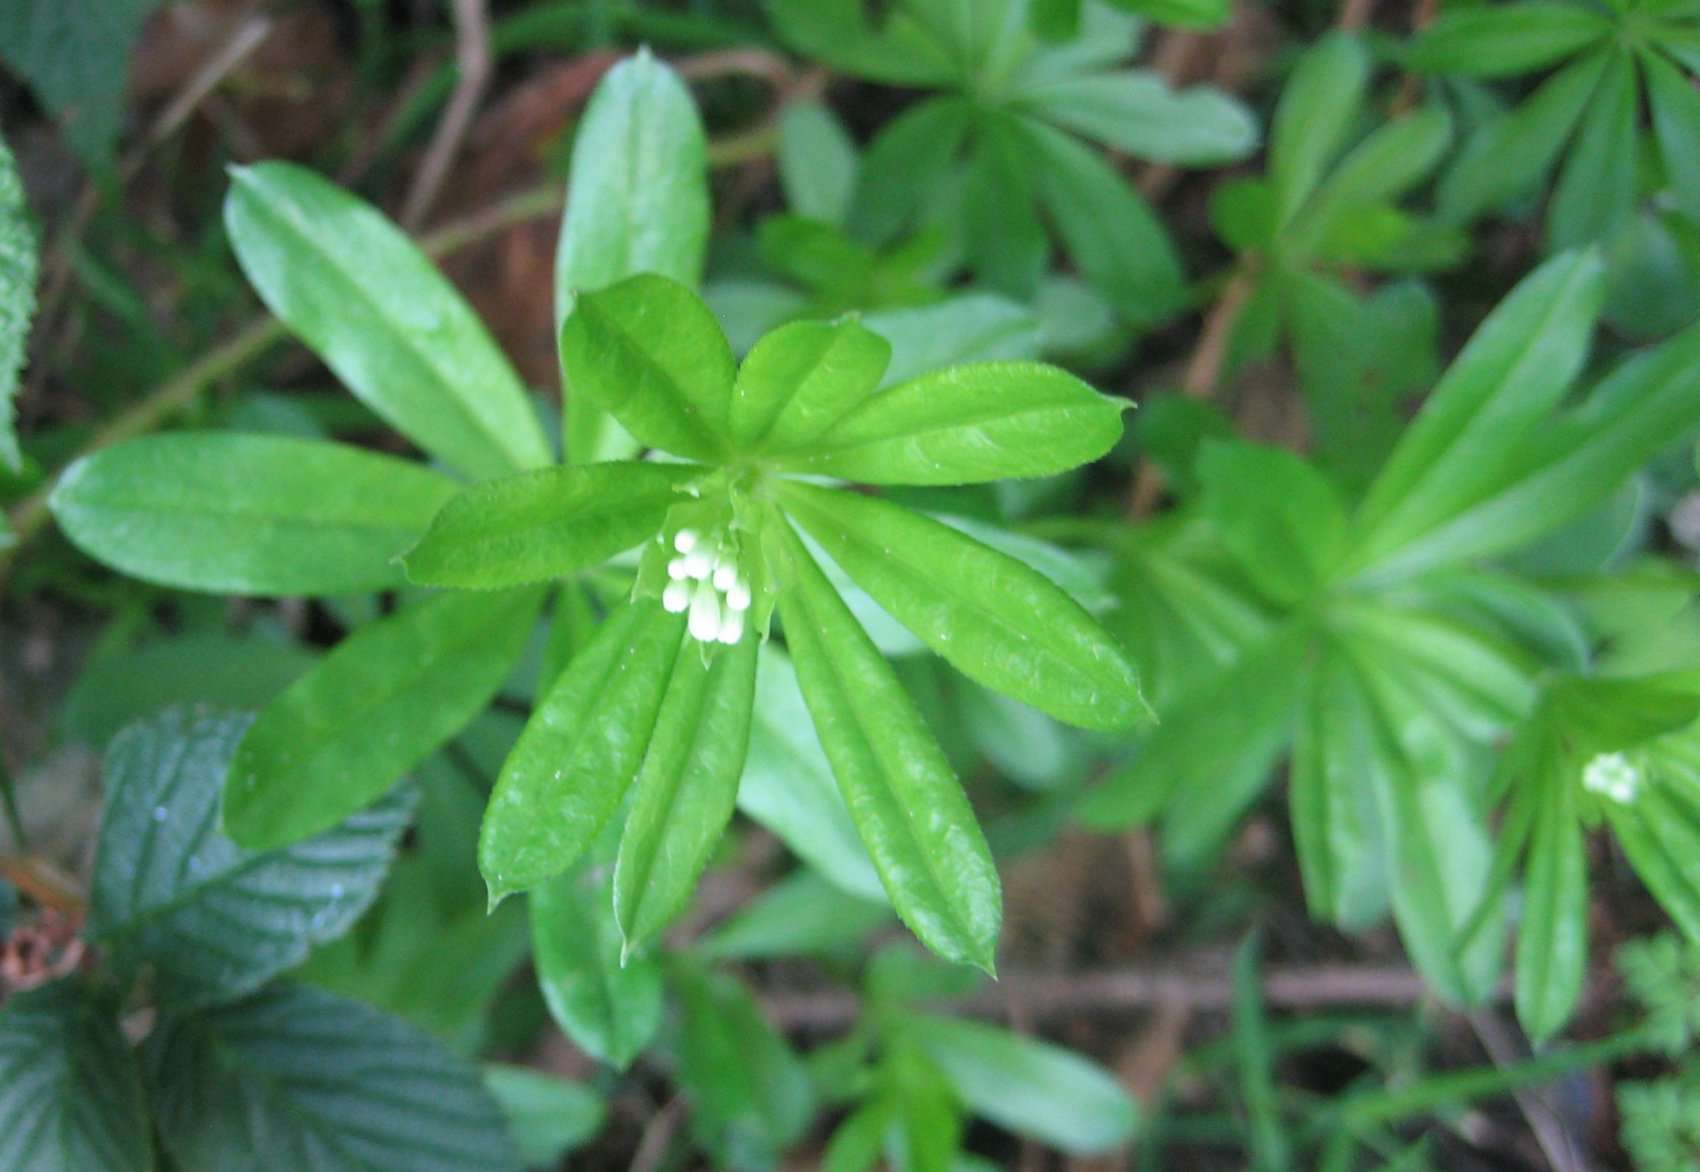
(1506, 40)
(1596, 189)
(381, 702)
(397, 333)
(1317, 108)
(1136, 111)
(1552, 934)
(608, 1005)
(546, 524)
(580, 751)
(248, 514)
(686, 789)
(906, 801)
(1277, 514)
(995, 619)
(649, 353)
(801, 379)
(817, 162)
(966, 425)
(548, 1116)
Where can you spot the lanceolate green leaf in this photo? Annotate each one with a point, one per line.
(1552, 935)
(609, 1004)
(297, 1078)
(546, 524)
(580, 751)
(392, 327)
(171, 892)
(801, 379)
(1512, 372)
(1512, 155)
(1387, 163)
(1596, 190)
(637, 200)
(1032, 1088)
(17, 296)
(70, 1097)
(966, 425)
(1135, 111)
(686, 789)
(906, 802)
(649, 352)
(248, 514)
(1676, 122)
(372, 709)
(1276, 513)
(995, 619)
(1506, 40)
(1317, 107)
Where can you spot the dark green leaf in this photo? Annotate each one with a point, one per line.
(686, 789)
(70, 1097)
(905, 162)
(17, 297)
(395, 331)
(817, 162)
(76, 56)
(996, 619)
(800, 915)
(608, 1004)
(296, 1078)
(1552, 934)
(546, 524)
(973, 327)
(173, 894)
(1256, 1057)
(967, 425)
(1277, 514)
(750, 1096)
(580, 751)
(1596, 189)
(1676, 122)
(906, 801)
(248, 514)
(1506, 40)
(1005, 243)
(1033, 1088)
(649, 353)
(372, 709)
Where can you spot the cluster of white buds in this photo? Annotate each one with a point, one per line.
(704, 579)
(1612, 775)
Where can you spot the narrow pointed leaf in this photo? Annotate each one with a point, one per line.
(1596, 189)
(997, 620)
(1509, 376)
(372, 709)
(967, 425)
(905, 163)
(1512, 155)
(17, 298)
(212, 920)
(1136, 111)
(817, 162)
(546, 524)
(608, 1005)
(1506, 40)
(248, 514)
(580, 751)
(1676, 123)
(1033, 1088)
(687, 788)
(649, 352)
(297, 1078)
(70, 1096)
(1552, 937)
(1277, 514)
(1317, 107)
(801, 379)
(906, 801)
(356, 290)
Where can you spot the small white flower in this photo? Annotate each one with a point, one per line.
(1614, 776)
(676, 597)
(705, 581)
(685, 540)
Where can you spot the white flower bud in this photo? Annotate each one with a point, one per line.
(725, 575)
(705, 614)
(731, 627)
(697, 565)
(685, 540)
(738, 597)
(676, 597)
(676, 569)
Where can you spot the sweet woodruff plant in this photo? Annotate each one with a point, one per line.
(751, 482)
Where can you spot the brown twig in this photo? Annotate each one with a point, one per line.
(1203, 372)
(658, 1136)
(1410, 85)
(1355, 15)
(1195, 986)
(44, 883)
(1555, 1140)
(472, 56)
